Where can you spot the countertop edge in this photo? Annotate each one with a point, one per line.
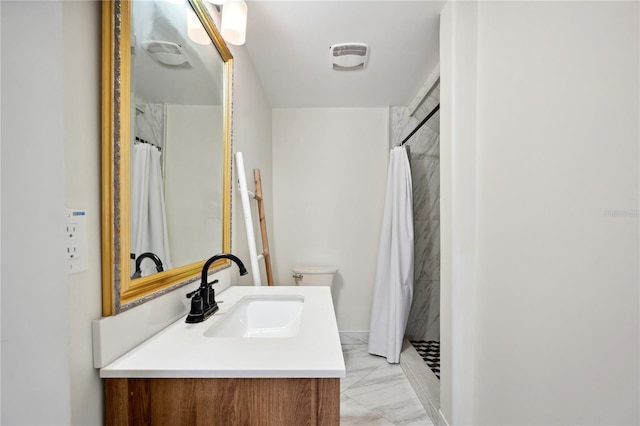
(208, 374)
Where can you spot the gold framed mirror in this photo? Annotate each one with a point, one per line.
(166, 148)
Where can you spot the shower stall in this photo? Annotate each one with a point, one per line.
(423, 147)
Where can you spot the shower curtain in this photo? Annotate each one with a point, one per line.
(148, 217)
(394, 277)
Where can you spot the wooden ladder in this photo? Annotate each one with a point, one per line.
(258, 196)
(263, 225)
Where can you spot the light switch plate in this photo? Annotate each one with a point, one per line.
(76, 241)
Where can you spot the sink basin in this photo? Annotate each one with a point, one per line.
(260, 316)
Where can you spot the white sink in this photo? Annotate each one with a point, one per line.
(260, 316)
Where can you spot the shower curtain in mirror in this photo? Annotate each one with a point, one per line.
(394, 277)
(148, 217)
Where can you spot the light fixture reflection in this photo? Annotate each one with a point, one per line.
(234, 22)
(195, 29)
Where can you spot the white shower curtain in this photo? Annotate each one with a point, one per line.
(148, 217)
(394, 278)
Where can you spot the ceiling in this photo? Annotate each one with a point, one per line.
(289, 41)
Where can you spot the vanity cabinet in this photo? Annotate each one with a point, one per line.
(187, 375)
(222, 401)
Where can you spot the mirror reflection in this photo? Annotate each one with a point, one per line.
(177, 136)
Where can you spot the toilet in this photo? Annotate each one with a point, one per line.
(314, 275)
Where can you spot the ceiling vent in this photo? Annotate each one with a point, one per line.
(166, 53)
(349, 56)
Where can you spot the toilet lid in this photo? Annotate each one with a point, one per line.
(315, 269)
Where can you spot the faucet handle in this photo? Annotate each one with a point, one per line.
(212, 293)
(197, 305)
(191, 293)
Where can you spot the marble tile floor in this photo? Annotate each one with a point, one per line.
(376, 392)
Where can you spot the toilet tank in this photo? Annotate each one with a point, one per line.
(314, 275)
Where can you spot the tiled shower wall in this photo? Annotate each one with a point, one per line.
(424, 158)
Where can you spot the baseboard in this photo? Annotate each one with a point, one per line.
(354, 337)
(424, 382)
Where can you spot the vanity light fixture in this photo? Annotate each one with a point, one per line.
(234, 22)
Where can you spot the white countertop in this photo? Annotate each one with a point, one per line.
(182, 350)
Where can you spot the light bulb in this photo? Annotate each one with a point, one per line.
(234, 22)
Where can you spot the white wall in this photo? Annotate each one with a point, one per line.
(35, 305)
(252, 137)
(329, 171)
(48, 364)
(82, 178)
(458, 64)
(542, 293)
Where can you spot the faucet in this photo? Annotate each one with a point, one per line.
(156, 260)
(203, 299)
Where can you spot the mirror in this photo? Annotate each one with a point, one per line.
(166, 148)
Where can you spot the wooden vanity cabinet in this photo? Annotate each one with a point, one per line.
(233, 401)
